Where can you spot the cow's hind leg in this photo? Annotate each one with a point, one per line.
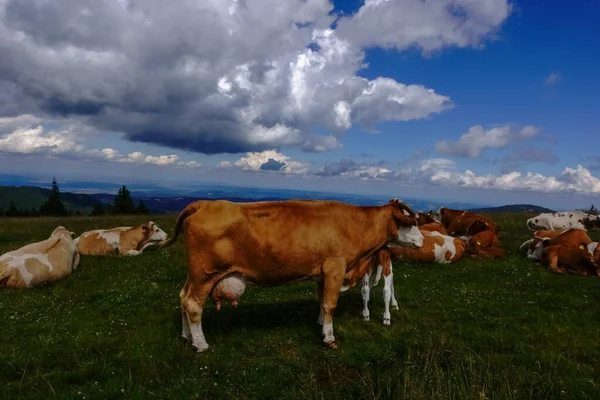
(387, 295)
(192, 303)
(320, 286)
(365, 291)
(334, 278)
(394, 301)
(185, 326)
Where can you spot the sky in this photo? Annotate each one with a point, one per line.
(485, 101)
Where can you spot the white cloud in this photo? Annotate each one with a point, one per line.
(260, 161)
(444, 172)
(478, 139)
(552, 79)
(428, 25)
(30, 138)
(228, 76)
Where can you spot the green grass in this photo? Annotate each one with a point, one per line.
(505, 329)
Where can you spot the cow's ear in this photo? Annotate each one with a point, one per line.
(145, 228)
(402, 219)
(72, 233)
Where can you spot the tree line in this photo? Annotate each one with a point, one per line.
(54, 206)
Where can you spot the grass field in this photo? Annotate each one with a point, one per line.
(472, 330)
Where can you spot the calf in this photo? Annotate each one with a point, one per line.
(126, 240)
(437, 248)
(40, 262)
(484, 245)
(571, 236)
(564, 259)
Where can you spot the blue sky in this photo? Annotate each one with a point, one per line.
(233, 94)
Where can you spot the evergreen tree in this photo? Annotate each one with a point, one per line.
(141, 209)
(12, 211)
(54, 205)
(98, 210)
(124, 202)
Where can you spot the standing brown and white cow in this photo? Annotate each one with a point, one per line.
(274, 243)
(36, 263)
(125, 240)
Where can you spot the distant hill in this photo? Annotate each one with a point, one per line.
(514, 208)
(29, 197)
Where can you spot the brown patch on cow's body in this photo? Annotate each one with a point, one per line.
(459, 222)
(571, 259)
(129, 238)
(569, 237)
(433, 227)
(484, 245)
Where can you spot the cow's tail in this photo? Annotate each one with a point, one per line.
(526, 243)
(189, 210)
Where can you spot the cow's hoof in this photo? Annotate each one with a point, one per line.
(395, 307)
(387, 321)
(331, 345)
(186, 338)
(201, 347)
(366, 318)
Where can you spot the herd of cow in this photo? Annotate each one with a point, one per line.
(229, 245)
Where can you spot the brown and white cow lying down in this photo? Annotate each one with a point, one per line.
(126, 240)
(464, 223)
(437, 248)
(274, 243)
(540, 238)
(40, 262)
(564, 259)
(484, 245)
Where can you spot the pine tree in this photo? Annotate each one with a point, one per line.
(141, 209)
(97, 210)
(12, 211)
(54, 205)
(123, 202)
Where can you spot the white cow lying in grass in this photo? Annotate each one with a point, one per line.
(124, 240)
(36, 263)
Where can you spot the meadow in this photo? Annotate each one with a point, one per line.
(503, 329)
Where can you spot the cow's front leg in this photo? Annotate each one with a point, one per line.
(365, 292)
(333, 272)
(133, 252)
(394, 301)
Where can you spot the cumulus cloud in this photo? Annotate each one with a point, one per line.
(29, 137)
(552, 79)
(427, 25)
(268, 160)
(226, 76)
(478, 139)
(348, 168)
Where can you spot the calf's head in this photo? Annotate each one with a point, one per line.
(408, 233)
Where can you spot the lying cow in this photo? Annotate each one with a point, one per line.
(459, 222)
(433, 227)
(41, 262)
(274, 243)
(126, 240)
(541, 238)
(564, 259)
(437, 248)
(484, 245)
(564, 220)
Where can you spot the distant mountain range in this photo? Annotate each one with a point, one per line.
(160, 200)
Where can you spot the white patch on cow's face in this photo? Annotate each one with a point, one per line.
(536, 253)
(437, 215)
(157, 233)
(592, 248)
(409, 236)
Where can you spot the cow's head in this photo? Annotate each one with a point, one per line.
(479, 225)
(153, 233)
(408, 234)
(62, 232)
(437, 215)
(423, 218)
